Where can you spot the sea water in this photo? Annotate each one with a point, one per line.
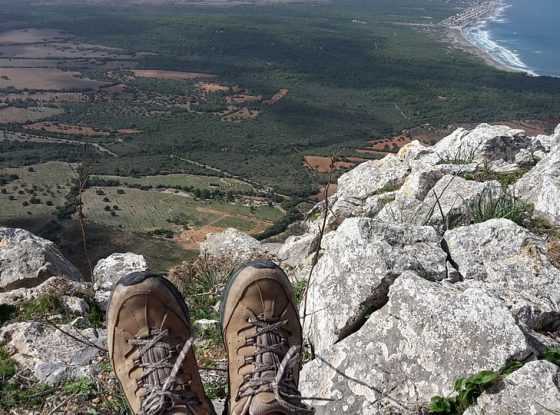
(524, 35)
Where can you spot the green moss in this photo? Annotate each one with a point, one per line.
(299, 290)
(84, 387)
(45, 305)
(7, 365)
(505, 179)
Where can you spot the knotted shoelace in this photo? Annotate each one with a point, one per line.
(161, 397)
(276, 376)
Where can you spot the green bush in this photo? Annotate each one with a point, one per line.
(496, 205)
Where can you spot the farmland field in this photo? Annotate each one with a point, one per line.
(149, 211)
(182, 180)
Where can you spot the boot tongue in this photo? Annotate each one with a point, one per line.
(265, 403)
(158, 353)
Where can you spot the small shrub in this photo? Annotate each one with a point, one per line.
(165, 233)
(45, 305)
(299, 290)
(496, 205)
(7, 365)
(120, 191)
(83, 388)
(95, 316)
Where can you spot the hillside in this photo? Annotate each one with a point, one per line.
(432, 276)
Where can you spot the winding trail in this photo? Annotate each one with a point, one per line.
(28, 138)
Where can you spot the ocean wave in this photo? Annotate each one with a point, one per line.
(479, 36)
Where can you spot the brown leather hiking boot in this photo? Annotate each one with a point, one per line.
(263, 336)
(150, 346)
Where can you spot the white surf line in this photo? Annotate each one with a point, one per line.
(480, 37)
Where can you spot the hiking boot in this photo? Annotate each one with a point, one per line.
(263, 338)
(150, 346)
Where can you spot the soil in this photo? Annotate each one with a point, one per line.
(190, 239)
(44, 79)
(212, 87)
(277, 97)
(170, 75)
(67, 129)
(323, 164)
(22, 115)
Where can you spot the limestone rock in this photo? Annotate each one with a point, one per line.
(235, 245)
(75, 305)
(426, 336)
(534, 389)
(541, 186)
(109, 270)
(55, 285)
(454, 197)
(359, 263)
(511, 262)
(27, 260)
(52, 356)
(484, 143)
(369, 179)
(297, 248)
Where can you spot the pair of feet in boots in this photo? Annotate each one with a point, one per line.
(150, 345)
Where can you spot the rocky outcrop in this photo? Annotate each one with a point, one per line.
(58, 286)
(237, 247)
(511, 263)
(109, 270)
(360, 262)
(541, 186)
(427, 335)
(485, 143)
(444, 203)
(360, 188)
(51, 355)
(397, 311)
(27, 260)
(533, 389)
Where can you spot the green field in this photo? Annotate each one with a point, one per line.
(37, 192)
(183, 180)
(148, 211)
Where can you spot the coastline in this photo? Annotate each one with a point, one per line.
(457, 33)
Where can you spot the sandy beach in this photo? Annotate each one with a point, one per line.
(455, 27)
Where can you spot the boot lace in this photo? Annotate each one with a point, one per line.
(276, 375)
(161, 397)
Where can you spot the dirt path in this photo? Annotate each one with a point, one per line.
(256, 186)
(25, 138)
